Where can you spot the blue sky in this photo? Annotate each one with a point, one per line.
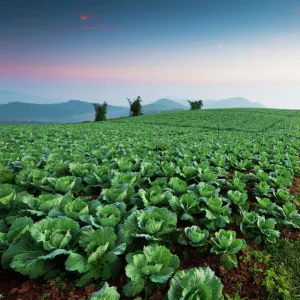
(109, 50)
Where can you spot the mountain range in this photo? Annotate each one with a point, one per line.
(22, 108)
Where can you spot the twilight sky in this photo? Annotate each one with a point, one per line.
(96, 50)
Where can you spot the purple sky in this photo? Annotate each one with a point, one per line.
(109, 50)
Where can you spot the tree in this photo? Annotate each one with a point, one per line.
(135, 106)
(100, 111)
(196, 104)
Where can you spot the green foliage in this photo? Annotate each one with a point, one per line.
(155, 265)
(135, 106)
(100, 111)
(196, 283)
(283, 270)
(186, 206)
(226, 243)
(290, 214)
(258, 228)
(239, 199)
(151, 224)
(194, 236)
(198, 104)
(106, 293)
(79, 198)
(236, 297)
(216, 215)
(100, 255)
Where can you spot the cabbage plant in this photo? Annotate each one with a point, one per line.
(178, 186)
(263, 189)
(45, 205)
(258, 228)
(150, 269)
(195, 283)
(7, 174)
(186, 207)
(195, 237)
(106, 293)
(152, 224)
(66, 184)
(155, 196)
(267, 207)
(290, 215)
(282, 195)
(188, 172)
(226, 243)
(204, 190)
(36, 254)
(237, 184)
(216, 215)
(208, 176)
(168, 168)
(7, 197)
(239, 199)
(100, 257)
(75, 209)
(104, 216)
(122, 193)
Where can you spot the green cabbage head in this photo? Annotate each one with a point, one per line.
(155, 265)
(195, 284)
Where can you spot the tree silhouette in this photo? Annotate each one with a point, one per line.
(100, 111)
(135, 106)
(196, 104)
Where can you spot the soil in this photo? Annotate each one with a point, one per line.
(17, 287)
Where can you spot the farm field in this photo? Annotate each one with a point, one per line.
(184, 205)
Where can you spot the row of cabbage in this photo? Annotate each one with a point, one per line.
(142, 200)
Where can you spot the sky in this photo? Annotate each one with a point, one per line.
(109, 50)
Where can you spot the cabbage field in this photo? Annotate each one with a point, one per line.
(181, 205)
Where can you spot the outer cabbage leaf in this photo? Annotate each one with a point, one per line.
(106, 293)
(152, 223)
(155, 265)
(196, 283)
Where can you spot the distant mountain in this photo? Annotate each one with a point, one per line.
(236, 102)
(74, 111)
(8, 96)
(162, 105)
(67, 112)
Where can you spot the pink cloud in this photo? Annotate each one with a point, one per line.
(278, 19)
(221, 46)
(85, 17)
(295, 10)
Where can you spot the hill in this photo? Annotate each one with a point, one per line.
(67, 112)
(8, 97)
(162, 105)
(74, 111)
(236, 102)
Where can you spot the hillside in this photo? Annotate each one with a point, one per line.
(236, 102)
(8, 97)
(163, 105)
(68, 112)
(74, 111)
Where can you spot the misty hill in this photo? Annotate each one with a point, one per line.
(77, 111)
(73, 111)
(8, 96)
(162, 105)
(67, 112)
(236, 102)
